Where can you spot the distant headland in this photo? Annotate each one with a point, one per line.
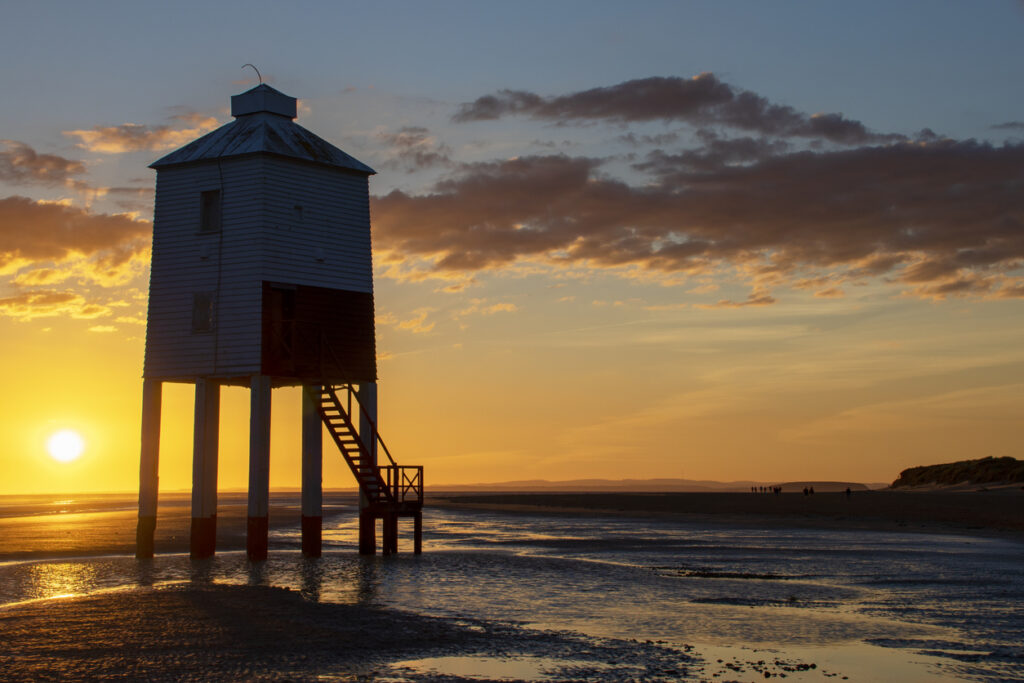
(988, 472)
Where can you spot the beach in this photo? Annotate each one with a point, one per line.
(261, 633)
(609, 587)
(999, 512)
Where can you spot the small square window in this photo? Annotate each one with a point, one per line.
(202, 312)
(209, 211)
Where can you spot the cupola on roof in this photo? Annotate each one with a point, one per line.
(263, 98)
(263, 124)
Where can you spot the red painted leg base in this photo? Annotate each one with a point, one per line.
(311, 536)
(144, 536)
(257, 530)
(203, 537)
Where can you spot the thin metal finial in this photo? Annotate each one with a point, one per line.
(256, 70)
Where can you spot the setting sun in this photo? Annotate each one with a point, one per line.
(65, 445)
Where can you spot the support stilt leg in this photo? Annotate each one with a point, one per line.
(390, 533)
(417, 538)
(257, 526)
(367, 533)
(367, 522)
(148, 468)
(203, 536)
(312, 473)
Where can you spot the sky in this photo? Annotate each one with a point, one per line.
(729, 241)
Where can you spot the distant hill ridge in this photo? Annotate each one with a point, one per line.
(639, 485)
(983, 471)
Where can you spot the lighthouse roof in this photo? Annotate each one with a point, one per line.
(263, 124)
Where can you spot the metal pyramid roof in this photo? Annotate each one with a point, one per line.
(263, 124)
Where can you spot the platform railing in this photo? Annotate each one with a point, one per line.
(405, 482)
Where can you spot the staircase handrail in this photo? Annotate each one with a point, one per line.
(384, 485)
(325, 344)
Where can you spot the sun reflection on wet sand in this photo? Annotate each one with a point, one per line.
(62, 579)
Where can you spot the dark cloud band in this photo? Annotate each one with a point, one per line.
(701, 101)
(930, 214)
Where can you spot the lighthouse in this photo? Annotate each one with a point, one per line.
(262, 277)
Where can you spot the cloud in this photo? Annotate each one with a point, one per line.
(417, 324)
(1011, 289)
(42, 276)
(413, 149)
(755, 298)
(49, 304)
(458, 286)
(1009, 125)
(102, 247)
(131, 199)
(658, 139)
(21, 164)
(701, 101)
(134, 137)
(959, 284)
(927, 213)
(715, 154)
(481, 307)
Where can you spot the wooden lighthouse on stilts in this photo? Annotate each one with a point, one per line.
(262, 277)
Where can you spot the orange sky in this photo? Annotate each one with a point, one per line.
(758, 256)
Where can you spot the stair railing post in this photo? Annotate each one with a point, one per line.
(367, 400)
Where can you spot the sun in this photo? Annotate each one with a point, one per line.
(65, 445)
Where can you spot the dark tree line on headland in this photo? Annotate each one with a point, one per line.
(983, 471)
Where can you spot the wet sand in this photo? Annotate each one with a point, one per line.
(999, 513)
(228, 633)
(81, 529)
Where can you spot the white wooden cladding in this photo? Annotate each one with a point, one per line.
(283, 220)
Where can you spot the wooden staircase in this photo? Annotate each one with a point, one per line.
(389, 491)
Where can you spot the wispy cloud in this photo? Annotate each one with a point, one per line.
(50, 303)
(755, 298)
(413, 148)
(20, 164)
(480, 306)
(417, 323)
(135, 137)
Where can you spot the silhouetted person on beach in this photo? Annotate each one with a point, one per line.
(806, 492)
(848, 492)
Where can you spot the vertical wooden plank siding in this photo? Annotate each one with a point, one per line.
(284, 220)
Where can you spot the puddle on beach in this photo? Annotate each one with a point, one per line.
(519, 668)
(853, 661)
